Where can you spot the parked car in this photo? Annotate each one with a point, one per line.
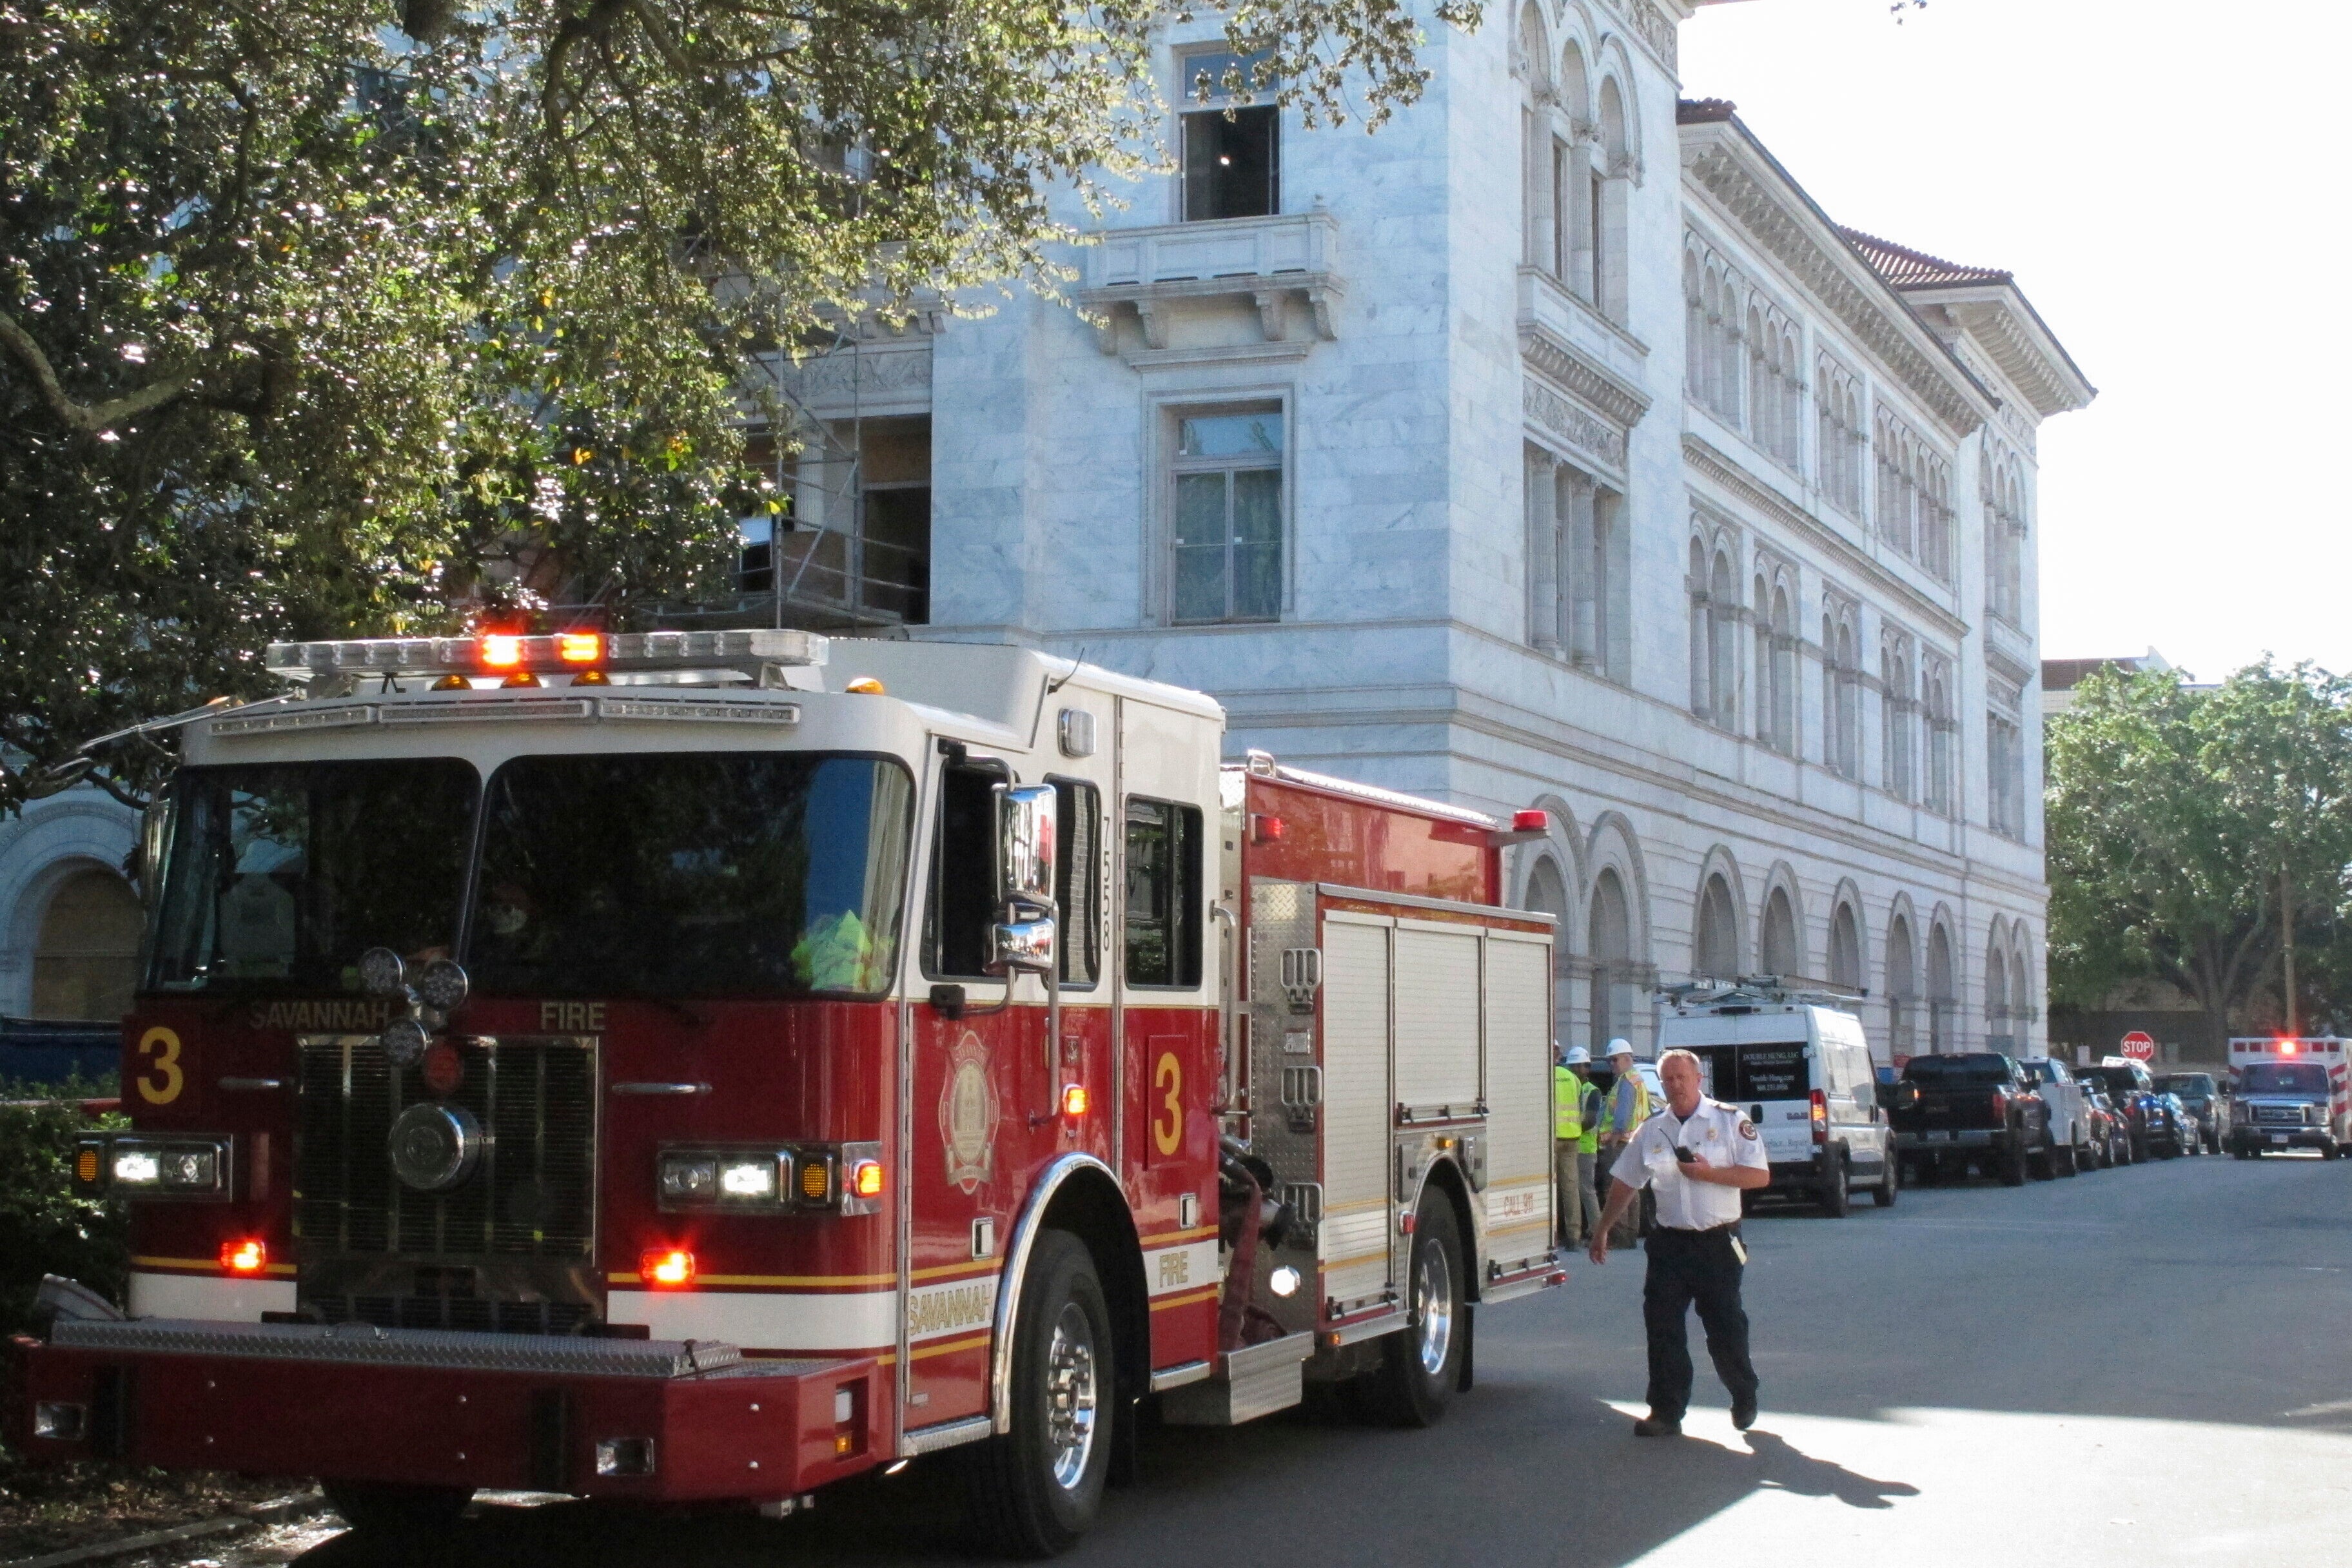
(1973, 1107)
(2070, 1136)
(2134, 1093)
(2206, 1101)
(2111, 1127)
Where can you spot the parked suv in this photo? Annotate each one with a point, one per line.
(2134, 1093)
(1974, 1106)
(2204, 1101)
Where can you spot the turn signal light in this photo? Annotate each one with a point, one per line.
(668, 1265)
(866, 1179)
(1821, 1117)
(247, 1257)
(1075, 1100)
(816, 1180)
(85, 1164)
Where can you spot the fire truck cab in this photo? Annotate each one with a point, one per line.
(705, 1066)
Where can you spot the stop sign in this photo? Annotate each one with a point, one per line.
(2140, 1045)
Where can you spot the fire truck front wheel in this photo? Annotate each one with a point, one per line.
(386, 1511)
(1421, 1366)
(1037, 1487)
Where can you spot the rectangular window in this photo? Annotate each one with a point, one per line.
(854, 530)
(1227, 538)
(1079, 879)
(1163, 894)
(962, 904)
(1232, 165)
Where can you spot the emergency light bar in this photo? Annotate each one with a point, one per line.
(503, 653)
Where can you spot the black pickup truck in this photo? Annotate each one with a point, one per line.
(1977, 1106)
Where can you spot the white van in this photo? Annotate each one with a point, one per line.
(1803, 1074)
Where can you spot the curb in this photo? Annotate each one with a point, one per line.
(278, 1511)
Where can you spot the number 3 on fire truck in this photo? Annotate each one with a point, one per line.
(1167, 1122)
(168, 1080)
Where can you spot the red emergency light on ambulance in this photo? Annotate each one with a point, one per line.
(2289, 1093)
(707, 1065)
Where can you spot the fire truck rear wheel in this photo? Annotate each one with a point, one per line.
(384, 1511)
(1421, 1364)
(1036, 1488)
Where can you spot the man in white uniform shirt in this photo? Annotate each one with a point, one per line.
(1697, 1155)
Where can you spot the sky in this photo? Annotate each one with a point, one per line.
(2166, 182)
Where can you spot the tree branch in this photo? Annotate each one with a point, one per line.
(89, 419)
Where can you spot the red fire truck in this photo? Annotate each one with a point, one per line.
(708, 1065)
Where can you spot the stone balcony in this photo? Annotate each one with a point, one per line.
(1159, 275)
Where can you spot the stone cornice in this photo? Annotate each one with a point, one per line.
(1556, 359)
(1722, 158)
(2013, 336)
(1890, 588)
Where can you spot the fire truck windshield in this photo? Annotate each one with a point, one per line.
(279, 877)
(691, 874)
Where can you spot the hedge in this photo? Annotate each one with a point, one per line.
(45, 1226)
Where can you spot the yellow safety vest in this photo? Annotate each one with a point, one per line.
(1641, 1106)
(1591, 1143)
(1567, 1104)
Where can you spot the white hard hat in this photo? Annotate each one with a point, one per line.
(1577, 1056)
(1621, 1048)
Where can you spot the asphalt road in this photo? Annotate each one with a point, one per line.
(2147, 1365)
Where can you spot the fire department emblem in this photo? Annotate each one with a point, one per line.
(968, 1112)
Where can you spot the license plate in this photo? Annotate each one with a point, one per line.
(1936, 1137)
(2278, 1137)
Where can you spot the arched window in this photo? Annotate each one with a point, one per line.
(2020, 989)
(1547, 892)
(1768, 698)
(1997, 1035)
(1611, 189)
(1714, 945)
(1941, 728)
(2004, 508)
(1722, 644)
(1840, 695)
(1701, 661)
(1897, 705)
(1531, 61)
(1784, 672)
(1902, 987)
(1941, 996)
(1610, 934)
(1845, 949)
(1783, 953)
(87, 961)
(1695, 328)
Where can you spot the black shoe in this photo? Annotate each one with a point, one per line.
(1743, 1414)
(1651, 1426)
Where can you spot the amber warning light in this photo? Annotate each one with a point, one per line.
(670, 1266)
(866, 1179)
(247, 1257)
(1075, 1100)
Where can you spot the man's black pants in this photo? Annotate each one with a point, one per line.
(1687, 1267)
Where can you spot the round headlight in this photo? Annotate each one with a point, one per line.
(443, 986)
(405, 1040)
(1284, 1281)
(382, 972)
(436, 1147)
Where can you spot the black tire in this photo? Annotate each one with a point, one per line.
(2043, 1164)
(2329, 1152)
(1834, 1187)
(1036, 1489)
(1890, 1182)
(2011, 1164)
(1421, 1364)
(382, 1511)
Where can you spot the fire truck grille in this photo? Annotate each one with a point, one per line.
(499, 1251)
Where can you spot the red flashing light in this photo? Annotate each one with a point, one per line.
(248, 1257)
(2286, 1048)
(866, 1179)
(501, 651)
(580, 647)
(671, 1267)
(1537, 820)
(1267, 828)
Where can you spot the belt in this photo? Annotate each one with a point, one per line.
(1701, 1229)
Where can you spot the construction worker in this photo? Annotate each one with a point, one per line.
(1698, 1157)
(1628, 1107)
(1567, 1136)
(1588, 1146)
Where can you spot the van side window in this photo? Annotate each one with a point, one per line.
(1163, 893)
(963, 903)
(1078, 880)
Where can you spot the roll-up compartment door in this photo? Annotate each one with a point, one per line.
(1437, 1005)
(1518, 1012)
(1356, 1101)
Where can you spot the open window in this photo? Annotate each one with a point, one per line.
(1163, 894)
(961, 908)
(1232, 147)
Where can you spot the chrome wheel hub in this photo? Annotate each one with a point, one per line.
(1432, 1297)
(1070, 1396)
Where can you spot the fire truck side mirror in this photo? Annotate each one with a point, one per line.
(1025, 817)
(1021, 945)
